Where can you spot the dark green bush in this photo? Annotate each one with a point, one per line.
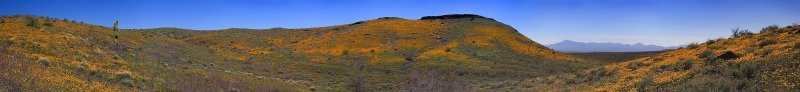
(692, 45)
(33, 22)
(797, 45)
(707, 84)
(123, 75)
(642, 85)
(767, 43)
(708, 56)
(744, 70)
(634, 65)
(682, 65)
(44, 61)
(48, 24)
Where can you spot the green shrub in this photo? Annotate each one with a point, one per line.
(4, 44)
(797, 45)
(634, 65)
(682, 65)
(708, 56)
(44, 61)
(32, 22)
(642, 85)
(48, 24)
(767, 43)
(123, 75)
(692, 45)
(707, 84)
(744, 70)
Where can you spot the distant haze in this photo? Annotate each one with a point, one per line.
(568, 46)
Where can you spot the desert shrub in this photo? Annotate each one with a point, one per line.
(642, 85)
(48, 24)
(710, 41)
(124, 78)
(4, 44)
(796, 45)
(769, 28)
(741, 32)
(123, 75)
(708, 56)
(744, 70)
(44, 61)
(32, 22)
(707, 84)
(634, 65)
(767, 43)
(428, 80)
(692, 45)
(682, 65)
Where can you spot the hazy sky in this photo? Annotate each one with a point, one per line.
(659, 22)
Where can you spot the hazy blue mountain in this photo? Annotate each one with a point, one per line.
(568, 46)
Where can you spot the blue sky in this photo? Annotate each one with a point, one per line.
(658, 22)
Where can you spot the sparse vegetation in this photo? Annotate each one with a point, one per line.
(708, 56)
(741, 32)
(769, 28)
(757, 62)
(767, 42)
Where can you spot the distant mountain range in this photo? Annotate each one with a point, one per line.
(568, 46)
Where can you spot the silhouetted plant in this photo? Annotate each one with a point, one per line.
(692, 45)
(116, 30)
(741, 32)
(769, 28)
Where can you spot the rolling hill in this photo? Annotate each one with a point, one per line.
(459, 52)
(766, 61)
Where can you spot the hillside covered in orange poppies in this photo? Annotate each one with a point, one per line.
(746, 61)
(445, 53)
(457, 52)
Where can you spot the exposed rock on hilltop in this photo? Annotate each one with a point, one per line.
(454, 16)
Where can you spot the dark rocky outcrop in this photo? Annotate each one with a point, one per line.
(453, 16)
(728, 55)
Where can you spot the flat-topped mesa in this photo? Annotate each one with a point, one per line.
(454, 16)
